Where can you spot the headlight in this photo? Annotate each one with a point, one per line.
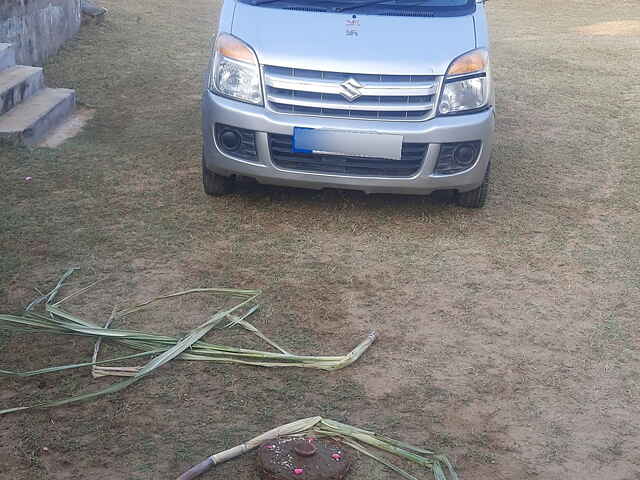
(467, 84)
(234, 70)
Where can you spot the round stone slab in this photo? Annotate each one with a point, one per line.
(302, 459)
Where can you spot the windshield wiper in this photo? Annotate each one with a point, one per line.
(358, 5)
(396, 3)
(289, 4)
(345, 7)
(262, 2)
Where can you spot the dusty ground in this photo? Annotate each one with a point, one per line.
(509, 336)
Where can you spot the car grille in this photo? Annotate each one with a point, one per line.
(282, 156)
(383, 97)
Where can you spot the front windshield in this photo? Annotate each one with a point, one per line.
(411, 8)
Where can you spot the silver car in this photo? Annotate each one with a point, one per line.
(387, 96)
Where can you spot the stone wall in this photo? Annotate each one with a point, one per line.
(38, 28)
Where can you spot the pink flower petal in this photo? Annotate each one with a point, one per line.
(336, 456)
(298, 471)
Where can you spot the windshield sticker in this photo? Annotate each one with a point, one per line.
(352, 24)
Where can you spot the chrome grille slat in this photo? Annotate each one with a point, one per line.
(362, 103)
(318, 93)
(331, 86)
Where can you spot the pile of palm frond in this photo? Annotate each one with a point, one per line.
(55, 320)
(357, 438)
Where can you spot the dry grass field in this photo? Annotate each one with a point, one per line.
(509, 336)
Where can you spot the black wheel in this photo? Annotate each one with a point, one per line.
(478, 197)
(214, 184)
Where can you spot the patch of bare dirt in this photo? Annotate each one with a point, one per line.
(620, 28)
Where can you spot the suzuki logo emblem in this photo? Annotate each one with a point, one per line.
(350, 89)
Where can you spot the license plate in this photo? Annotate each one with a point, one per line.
(339, 142)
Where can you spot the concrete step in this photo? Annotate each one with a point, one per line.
(17, 84)
(29, 122)
(7, 55)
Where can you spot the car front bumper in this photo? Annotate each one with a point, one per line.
(476, 126)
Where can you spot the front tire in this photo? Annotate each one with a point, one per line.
(214, 184)
(476, 198)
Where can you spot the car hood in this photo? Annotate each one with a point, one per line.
(337, 42)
